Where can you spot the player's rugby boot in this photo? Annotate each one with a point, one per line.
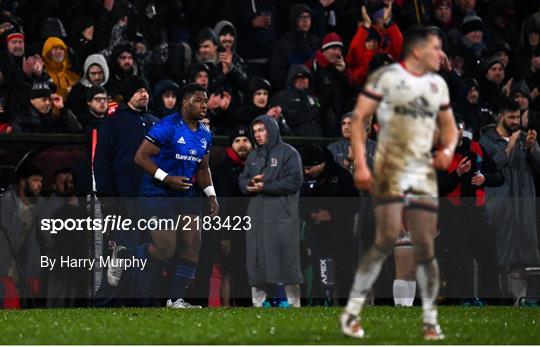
(351, 325)
(114, 271)
(180, 303)
(432, 332)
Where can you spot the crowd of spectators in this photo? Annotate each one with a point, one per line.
(310, 57)
(67, 66)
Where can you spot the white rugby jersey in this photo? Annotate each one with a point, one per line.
(407, 114)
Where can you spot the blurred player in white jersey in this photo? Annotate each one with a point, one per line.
(411, 100)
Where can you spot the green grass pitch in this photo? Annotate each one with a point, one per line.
(383, 325)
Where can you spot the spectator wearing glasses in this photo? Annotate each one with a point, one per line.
(297, 46)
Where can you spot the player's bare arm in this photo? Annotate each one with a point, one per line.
(365, 107)
(143, 158)
(449, 138)
(204, 177)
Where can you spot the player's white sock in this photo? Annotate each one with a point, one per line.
(366, 274)
(427, 275)
(257, 296)
(403, 292)
(518, 286)
(411, 293)
(293, 294)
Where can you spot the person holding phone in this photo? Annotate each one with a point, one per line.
(466, 232)
(330, 82)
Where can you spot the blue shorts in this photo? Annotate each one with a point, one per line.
(169, 207)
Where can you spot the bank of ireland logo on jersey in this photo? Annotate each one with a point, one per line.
(273, 162)
(204, 143)
(192, 152)
(181, 140)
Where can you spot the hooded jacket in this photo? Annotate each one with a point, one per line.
(159, 109)
(76, 100)
(249, 111)
(60, 73)
(300, 108)
(273, 242)
(117, 75)
(295, 47)
(511, 206)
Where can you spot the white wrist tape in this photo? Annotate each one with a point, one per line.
(209, 191)
(160, 175)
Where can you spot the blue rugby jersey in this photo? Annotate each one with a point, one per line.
(181, 152)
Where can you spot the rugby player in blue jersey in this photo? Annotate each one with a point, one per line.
(174, 155)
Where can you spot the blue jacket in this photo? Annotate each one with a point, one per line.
(119, 138)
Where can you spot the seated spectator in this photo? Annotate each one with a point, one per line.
(520, 93)
(463, 8)
(122, 65)
(38, 117)
(174, 65)
(19, 207)
(380, 35)
(297, 46)
(529, 58)
(207, 54)
(501, 16)
(329, 82)
(57, 65)
(165, 98)
(220, 112)
(443, 19)
(468, 105)
(472, 46)
(258, 25)
(300, 108)
(95, 73)
(19, 72)
(81, 41)
(256, 100)
(229, 58)
(502, 51)
(491, 83)
(96, 109)
(200, 73)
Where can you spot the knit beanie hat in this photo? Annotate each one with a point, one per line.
(472, 23)
(239, 131)
(331, 40)
(130, 86)
(40, 89)
(93, 91)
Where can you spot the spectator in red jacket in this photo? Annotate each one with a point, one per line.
(373, 37)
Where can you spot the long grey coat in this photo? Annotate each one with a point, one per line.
(27, 248)
(511, 207)
(273, 243)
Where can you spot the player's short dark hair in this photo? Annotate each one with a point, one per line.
(417, 34)
(190, 89)
(64, 170)
(28, 171)
(506, 104)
